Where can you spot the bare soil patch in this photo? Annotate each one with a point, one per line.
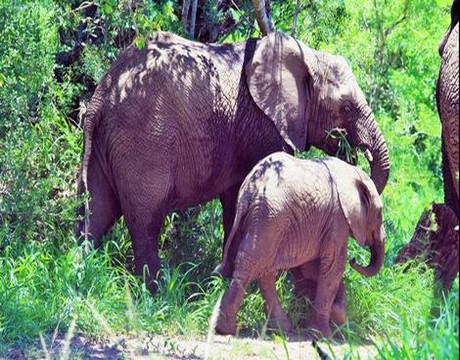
(148, 346)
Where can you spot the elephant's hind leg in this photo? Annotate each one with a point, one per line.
(146, 197)
(226, 322)
(144, 227)
(103, 204)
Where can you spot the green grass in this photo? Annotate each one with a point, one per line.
(42, 292)
(425, 337)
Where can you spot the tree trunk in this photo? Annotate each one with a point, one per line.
(184, 15)
(193, 19)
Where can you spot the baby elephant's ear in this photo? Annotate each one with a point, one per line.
(354, 197)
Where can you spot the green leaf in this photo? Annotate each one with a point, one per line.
(139, 41)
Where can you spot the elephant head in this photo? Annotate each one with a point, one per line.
(362, 207)
(308, 93)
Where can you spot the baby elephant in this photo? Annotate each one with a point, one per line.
(291, 213)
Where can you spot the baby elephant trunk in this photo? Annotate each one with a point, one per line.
(377, 254)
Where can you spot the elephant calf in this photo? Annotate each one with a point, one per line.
(294, 213)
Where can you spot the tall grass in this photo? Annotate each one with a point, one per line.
(40, 294)
(425, 337)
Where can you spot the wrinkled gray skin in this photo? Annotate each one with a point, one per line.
(179, 123)
(294, 213)
(447, 96)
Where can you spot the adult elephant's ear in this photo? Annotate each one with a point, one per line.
(277, 78)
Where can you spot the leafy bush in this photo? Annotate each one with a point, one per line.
(27, 43)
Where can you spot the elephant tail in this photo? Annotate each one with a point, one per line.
(91, 120)
(226, 267)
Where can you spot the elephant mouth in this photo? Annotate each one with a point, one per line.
(348, 155)
(341, 147)
(343, 150)
(346, 146)
(352, 155)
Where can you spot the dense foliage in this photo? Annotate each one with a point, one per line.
(53, 53)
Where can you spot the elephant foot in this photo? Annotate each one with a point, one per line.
(281, 323)
(148, 274)
(339, 337)
(151, 284)
(225, 326)
(319, 330)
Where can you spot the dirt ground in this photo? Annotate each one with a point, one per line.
(145, 346)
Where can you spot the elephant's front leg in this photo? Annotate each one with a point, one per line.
(275, 314)
(339, 306)
(331, 269)
(231, 302)
(304, 285)
(228, 201)
(305, 278)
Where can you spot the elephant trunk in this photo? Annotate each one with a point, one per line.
(377, 254)
(379, 159)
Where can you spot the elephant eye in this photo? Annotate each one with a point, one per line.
(346, 109)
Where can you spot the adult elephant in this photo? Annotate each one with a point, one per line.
(447, 96)
(178, 123)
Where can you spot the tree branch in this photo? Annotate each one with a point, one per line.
(397, 22)
(263, 17)
(296, 16)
